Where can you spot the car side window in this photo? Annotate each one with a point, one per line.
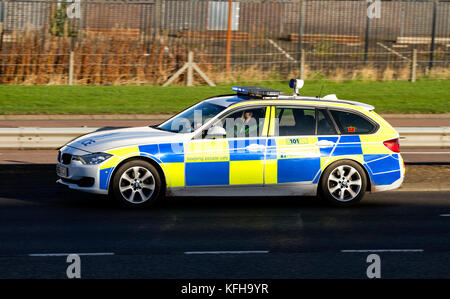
(324, 124)
(350, 123)
(243, 123)
(295, 121)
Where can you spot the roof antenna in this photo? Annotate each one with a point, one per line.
(320, 93)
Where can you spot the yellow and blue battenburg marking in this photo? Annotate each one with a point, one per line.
(207, 162)
(383, 166)
(171, 158)
(297, 159)
(277, 160)
(291, 160)
(107, 168)
(265, 160)
(247, 166)
(222, 163)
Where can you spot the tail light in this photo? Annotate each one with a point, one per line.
(393, 145)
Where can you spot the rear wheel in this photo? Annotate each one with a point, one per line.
(136, 184)
(343, 183)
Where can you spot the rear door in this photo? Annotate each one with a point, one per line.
(302, 140)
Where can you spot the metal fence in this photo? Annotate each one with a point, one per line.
(145, 42)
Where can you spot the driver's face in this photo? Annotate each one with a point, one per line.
(248, 115)
(197, 125)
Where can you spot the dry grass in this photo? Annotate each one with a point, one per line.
(242, 74)
(439, 73)
(44, 59)
(388, 74)
(37, 59)
(367, 73)
(403, 73)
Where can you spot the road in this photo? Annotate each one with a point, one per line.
(216, 237)
(135, 120)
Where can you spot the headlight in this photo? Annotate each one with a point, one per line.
(92, 159)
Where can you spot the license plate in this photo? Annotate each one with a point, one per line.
(62, 171)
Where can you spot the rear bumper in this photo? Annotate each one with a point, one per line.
(393, 185)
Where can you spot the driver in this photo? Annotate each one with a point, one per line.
(248, 126)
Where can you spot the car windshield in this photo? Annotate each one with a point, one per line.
(192, 118)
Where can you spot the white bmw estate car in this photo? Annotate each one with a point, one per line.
(256, 142)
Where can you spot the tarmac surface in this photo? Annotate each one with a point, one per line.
(286, 237)
(41, 223)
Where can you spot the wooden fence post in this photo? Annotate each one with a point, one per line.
(190, 69)
(190, 66)
(71, 67)
(302, 66)
(414, 66)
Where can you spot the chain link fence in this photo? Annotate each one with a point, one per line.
(145, 42)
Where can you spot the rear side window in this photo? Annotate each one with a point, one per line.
(295, 121)
(350, 123)
(324, 124)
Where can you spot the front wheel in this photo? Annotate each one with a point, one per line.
(343, 183)
(136, 184)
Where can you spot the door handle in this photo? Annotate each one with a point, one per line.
(255, 147)
(324, 143)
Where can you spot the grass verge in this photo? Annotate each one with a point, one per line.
(387, 97)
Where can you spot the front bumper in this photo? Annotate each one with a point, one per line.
(80, 176)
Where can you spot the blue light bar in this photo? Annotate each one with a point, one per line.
(239, 89)
(257, 91)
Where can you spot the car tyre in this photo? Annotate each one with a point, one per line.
(136, 184)
(343, 183)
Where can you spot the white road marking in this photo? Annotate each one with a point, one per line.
(380, 250)
(226, 252)
(66, 254)
(445, 215)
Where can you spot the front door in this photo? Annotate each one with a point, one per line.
(233, 160)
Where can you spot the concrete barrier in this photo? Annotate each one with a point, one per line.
(52, 138)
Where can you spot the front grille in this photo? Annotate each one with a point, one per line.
(66, 159)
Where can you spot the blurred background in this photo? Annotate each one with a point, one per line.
(119, 55)
(145, 42)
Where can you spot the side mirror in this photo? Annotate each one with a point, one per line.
(216, 131)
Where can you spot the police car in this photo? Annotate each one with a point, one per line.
(255, 142)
